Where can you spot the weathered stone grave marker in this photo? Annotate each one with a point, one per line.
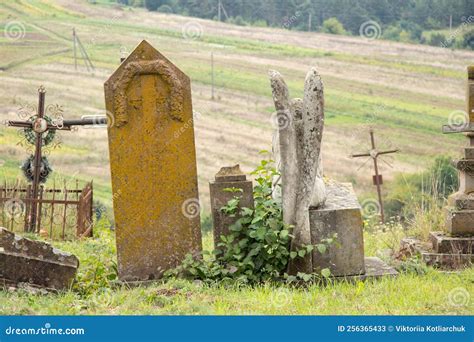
(153, 165)
(227, 178)
(317, 208)
(455, 247)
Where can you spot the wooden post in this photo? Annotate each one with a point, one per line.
(212, 75)
(75, 48)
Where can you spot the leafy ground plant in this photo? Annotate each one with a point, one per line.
(257, 248)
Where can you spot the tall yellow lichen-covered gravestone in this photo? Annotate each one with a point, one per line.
(153, 165)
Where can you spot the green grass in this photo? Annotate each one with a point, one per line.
(96, 292)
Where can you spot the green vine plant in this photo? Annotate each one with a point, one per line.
(257, 249)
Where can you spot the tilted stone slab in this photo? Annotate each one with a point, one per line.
(35, 262)
(340, 214)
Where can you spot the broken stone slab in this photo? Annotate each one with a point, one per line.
(375, 269)
(34, 262)
(341, 215)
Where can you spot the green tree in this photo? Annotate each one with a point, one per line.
(152, 5)
(468, 40)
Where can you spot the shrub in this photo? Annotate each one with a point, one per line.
(468, 40)
(334, 26)
(420, 191)
(437, 39)
(257, 248)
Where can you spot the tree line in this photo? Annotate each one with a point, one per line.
(422, 21)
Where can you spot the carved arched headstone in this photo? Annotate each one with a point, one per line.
(153, 165)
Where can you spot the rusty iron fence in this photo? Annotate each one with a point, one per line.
(63, 213)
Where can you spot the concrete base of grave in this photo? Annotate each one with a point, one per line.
(339, 215)
(441, 253)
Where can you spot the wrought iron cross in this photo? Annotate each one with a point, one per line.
(377, 178)
(40, 126)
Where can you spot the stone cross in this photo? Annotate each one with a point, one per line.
(297, 150)
(153, 165)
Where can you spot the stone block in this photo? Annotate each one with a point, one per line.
(228, 177)
(461, 201)
(340, 214)
(38, 263)
(466, 181)
(459, 222)
(447, 261)
(469, 152)
(453, 245)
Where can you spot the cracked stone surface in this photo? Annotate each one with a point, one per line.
(34, 262)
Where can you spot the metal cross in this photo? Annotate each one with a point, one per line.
(40, 126)
(377, 178)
